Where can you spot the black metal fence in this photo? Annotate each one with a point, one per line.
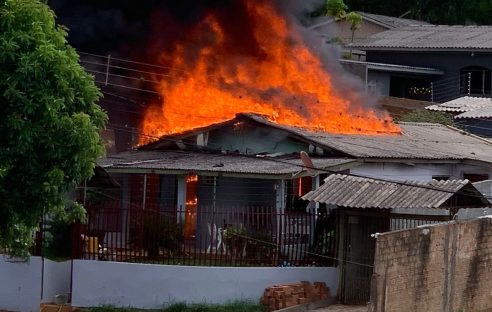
(206, 236)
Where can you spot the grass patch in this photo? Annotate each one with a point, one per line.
(240, 306)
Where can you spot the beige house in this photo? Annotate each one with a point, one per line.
(336, 31)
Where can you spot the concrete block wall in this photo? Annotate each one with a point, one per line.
(446, 267)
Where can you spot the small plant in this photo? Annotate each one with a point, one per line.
(235, 240)
(155, 233)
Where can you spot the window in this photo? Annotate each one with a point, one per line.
(475, 80)
(473, 177)
(295, 189)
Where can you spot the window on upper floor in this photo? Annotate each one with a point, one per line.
(475, 80)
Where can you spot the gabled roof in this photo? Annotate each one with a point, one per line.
(425, 141)
(206, 163)
(358, 192)
(390, 21)
(462, 104)
(430, 37)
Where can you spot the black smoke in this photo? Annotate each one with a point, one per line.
(140, 28)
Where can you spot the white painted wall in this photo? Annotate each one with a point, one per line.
(56, 279)
(416, 171)
(20, 284)
(152, 286)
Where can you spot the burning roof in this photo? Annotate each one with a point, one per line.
(425, 141)
(271, 70)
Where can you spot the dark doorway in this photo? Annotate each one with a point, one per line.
(358, 256)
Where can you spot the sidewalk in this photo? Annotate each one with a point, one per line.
(342, 308)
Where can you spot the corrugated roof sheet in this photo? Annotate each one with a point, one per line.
(462, 104)
(417, 141)
(188, 161)
(483, 112)
(429, 37)
(357, 192)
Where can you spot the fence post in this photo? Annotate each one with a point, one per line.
(432, 92)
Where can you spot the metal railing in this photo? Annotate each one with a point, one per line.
(205, 236)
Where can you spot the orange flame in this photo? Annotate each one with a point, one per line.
(287, 83)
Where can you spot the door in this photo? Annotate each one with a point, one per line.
(358, 256)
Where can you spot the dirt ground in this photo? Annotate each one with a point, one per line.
(342, 308)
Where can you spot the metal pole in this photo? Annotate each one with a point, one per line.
(469, 83)
(107, 69)
(144, 190)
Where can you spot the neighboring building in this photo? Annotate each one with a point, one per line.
(367, 206)
(338, 31)
(472, 113)
(462, 55)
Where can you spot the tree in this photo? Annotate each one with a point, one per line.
(49, 121)
(355, 20)
(336, 8)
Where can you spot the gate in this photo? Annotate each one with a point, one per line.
(358, 248)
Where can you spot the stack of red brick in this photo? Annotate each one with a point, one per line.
(279, 297)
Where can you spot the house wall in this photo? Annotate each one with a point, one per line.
(416, 171)
(378, 82)
(151, 286)
(481, 127)
(252, 139)
(450, 62)
(445, 267)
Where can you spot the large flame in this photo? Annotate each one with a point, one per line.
(284, 80)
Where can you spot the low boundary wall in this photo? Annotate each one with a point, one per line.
(445, 267)
(98, 283)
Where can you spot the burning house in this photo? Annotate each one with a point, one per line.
(217, 178)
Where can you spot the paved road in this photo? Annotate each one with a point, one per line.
(342, 308)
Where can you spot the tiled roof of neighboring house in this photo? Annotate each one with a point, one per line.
(462, 104)
(430, 37)
(203, 163)
(417, 141)
(358, 192)
(479, 113)
(390, 21)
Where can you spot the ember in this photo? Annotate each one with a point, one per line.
(283, 79)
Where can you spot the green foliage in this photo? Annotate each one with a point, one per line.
(49, 121)
(336, 8)
(434, 11)
(355, 20)
(428, 116)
